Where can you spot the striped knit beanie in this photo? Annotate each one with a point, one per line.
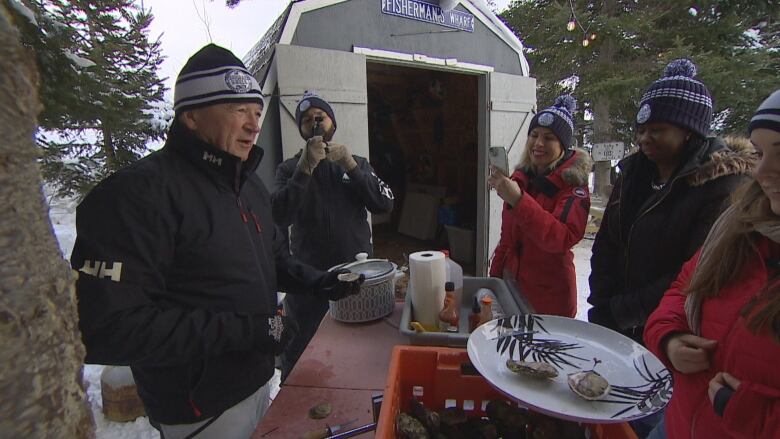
(559, 118)
(679, 99)
(213, 76)
(768, 114)
(309, 100)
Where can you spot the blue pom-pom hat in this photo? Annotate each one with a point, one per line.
(678, 98)
(559, 118)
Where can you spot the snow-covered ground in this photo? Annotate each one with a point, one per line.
(63, 219)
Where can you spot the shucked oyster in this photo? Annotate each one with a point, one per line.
(588, 384)
(532, 369)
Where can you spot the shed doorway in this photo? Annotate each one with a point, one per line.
(423, 142)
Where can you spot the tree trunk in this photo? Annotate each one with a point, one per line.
(108, 149)
(40, 347)
(602, 124)
(602, 132)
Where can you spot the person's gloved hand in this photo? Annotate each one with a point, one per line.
(340, 154)
(272, 333)
(337, 289)
(312, 154)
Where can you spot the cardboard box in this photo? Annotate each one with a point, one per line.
(419, 215)
(461, 244)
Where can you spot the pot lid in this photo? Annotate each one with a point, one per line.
(371, 268)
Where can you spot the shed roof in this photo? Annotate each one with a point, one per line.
(260, 55)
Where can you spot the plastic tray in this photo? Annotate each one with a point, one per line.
(508, 302)
(438, 371)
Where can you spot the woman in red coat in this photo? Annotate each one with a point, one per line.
(718, 327)
(546, 205)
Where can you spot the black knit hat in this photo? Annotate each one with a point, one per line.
(311, 100)
(559, 118)
(213, 76)
(768, 114)
(678, 98)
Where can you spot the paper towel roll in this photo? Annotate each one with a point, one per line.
(427, 276)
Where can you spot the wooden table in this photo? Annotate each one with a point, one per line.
(344, 365)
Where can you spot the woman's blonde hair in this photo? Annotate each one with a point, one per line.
(729, 252)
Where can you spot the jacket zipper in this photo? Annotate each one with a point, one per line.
(631, 230)
(695, 418)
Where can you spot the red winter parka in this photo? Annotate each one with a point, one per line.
(754, 409)
(538, 233)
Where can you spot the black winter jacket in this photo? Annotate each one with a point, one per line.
(646, 236)
(327, 210)
(180, 261)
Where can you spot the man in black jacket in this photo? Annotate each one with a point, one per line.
(323, 193)
(180, 260)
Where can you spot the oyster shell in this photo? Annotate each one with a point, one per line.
(534, 369)
(588, 384)
(348, 277)
(410, 428)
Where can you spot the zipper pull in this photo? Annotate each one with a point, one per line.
(241, 210)
(195, 408)
(258, 227)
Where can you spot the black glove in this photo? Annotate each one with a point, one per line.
(272, 333)
(336, 289)
(722, 397)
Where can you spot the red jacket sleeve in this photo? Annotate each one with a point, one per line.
(669, 317)
(559, 230)
(504, 245)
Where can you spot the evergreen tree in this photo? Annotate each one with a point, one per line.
(99, 88)
(735, 44)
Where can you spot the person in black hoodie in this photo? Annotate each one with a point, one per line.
(323, 193)
(179, 262)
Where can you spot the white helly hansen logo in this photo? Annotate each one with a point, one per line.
(100, 269)
(211, 158)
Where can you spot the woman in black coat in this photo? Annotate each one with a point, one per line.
(667, 196)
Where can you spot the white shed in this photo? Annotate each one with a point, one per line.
(420, 91)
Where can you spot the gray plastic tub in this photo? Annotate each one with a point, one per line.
(508, 301)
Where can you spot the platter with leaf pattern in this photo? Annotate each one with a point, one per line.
(640, 385)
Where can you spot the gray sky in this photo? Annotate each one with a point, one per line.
(181, 25)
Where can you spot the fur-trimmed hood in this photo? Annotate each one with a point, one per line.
(716, 157)
(574, 169)
(577, 169)
(735, 156)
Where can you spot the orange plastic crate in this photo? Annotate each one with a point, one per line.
(438, 371)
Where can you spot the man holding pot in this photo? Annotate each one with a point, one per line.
(323, 193)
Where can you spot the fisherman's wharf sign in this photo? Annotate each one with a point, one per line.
(428, 12)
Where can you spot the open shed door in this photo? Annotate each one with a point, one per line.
(339, 78)
(512, 99)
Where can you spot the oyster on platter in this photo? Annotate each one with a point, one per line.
(589, 384)
(533, 369)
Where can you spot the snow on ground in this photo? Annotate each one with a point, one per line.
(62, 213)
(582, 266)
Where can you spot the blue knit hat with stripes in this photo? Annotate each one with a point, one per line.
(211, 76)
(559, 117)
(768, 114)
(678, 98)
